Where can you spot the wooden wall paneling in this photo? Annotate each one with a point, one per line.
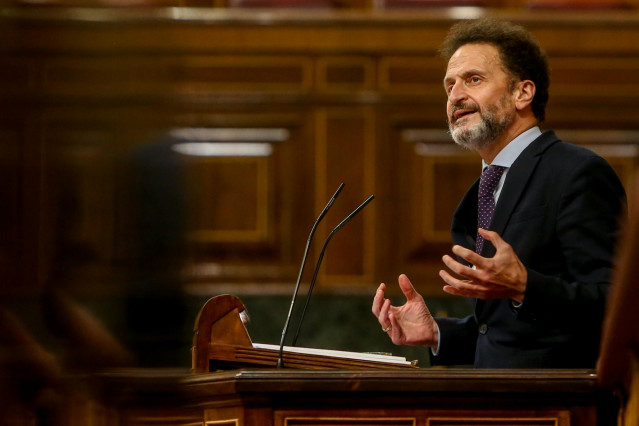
(579, 32)
(105, 76)
(243, 73)
(345, 73)
(95, 162)
(584, 112)
(17, 76)
(18, 247)
(34, 233)
(592, 92)
(199, 3)
(413, 32)
(11, 217)
(284, 3)
(133, 75)
(387, 168)
(433, 3)
(320, 66)
(345, 153)
(604, 78)
(79, 162)
(424, 200)
(418, 75)
(511, 4)
(580, 4)
(434, 176)
(623, 159)
(248, 212)
(230, 199)
(408, 123)
(444, 173)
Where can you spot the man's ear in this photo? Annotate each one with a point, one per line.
(524, 93)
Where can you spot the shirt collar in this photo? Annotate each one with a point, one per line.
(507, 156)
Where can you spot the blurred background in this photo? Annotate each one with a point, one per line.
(154, 154)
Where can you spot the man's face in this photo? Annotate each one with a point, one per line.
(480, 105)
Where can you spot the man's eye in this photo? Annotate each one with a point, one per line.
(474, 80)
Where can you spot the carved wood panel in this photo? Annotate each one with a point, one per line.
(229, 199)
(345, 153)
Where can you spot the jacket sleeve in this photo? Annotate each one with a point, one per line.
(458, 338)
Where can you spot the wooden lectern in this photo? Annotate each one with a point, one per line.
(221, 342)
(334, 390)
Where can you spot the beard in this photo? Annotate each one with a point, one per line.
(491, 125)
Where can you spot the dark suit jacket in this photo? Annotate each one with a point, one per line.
(559, 209)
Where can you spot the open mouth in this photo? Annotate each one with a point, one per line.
(462, 113)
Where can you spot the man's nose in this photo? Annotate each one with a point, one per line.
(456, 94)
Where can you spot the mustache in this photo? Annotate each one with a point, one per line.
(467, 105)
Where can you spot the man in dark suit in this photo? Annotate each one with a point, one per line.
(535, 250)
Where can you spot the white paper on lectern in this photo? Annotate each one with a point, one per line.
(339, 354)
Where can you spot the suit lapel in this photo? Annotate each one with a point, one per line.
(516, 180)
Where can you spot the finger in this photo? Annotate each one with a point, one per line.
(463, 287)
(456, 292)
(458, 268)
(394, 331)
(493, 237)
(469, 255)
(450, 280)
(451, 290)
(378, 300)
(383, 319)
(407, 287)
(478, 294)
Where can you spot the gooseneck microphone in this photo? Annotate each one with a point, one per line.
(299, 276)
(319, 262)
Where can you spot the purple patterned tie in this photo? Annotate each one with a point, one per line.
(486, 203)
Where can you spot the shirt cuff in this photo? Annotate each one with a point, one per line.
(435, 351)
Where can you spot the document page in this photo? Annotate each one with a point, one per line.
(338, 354)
